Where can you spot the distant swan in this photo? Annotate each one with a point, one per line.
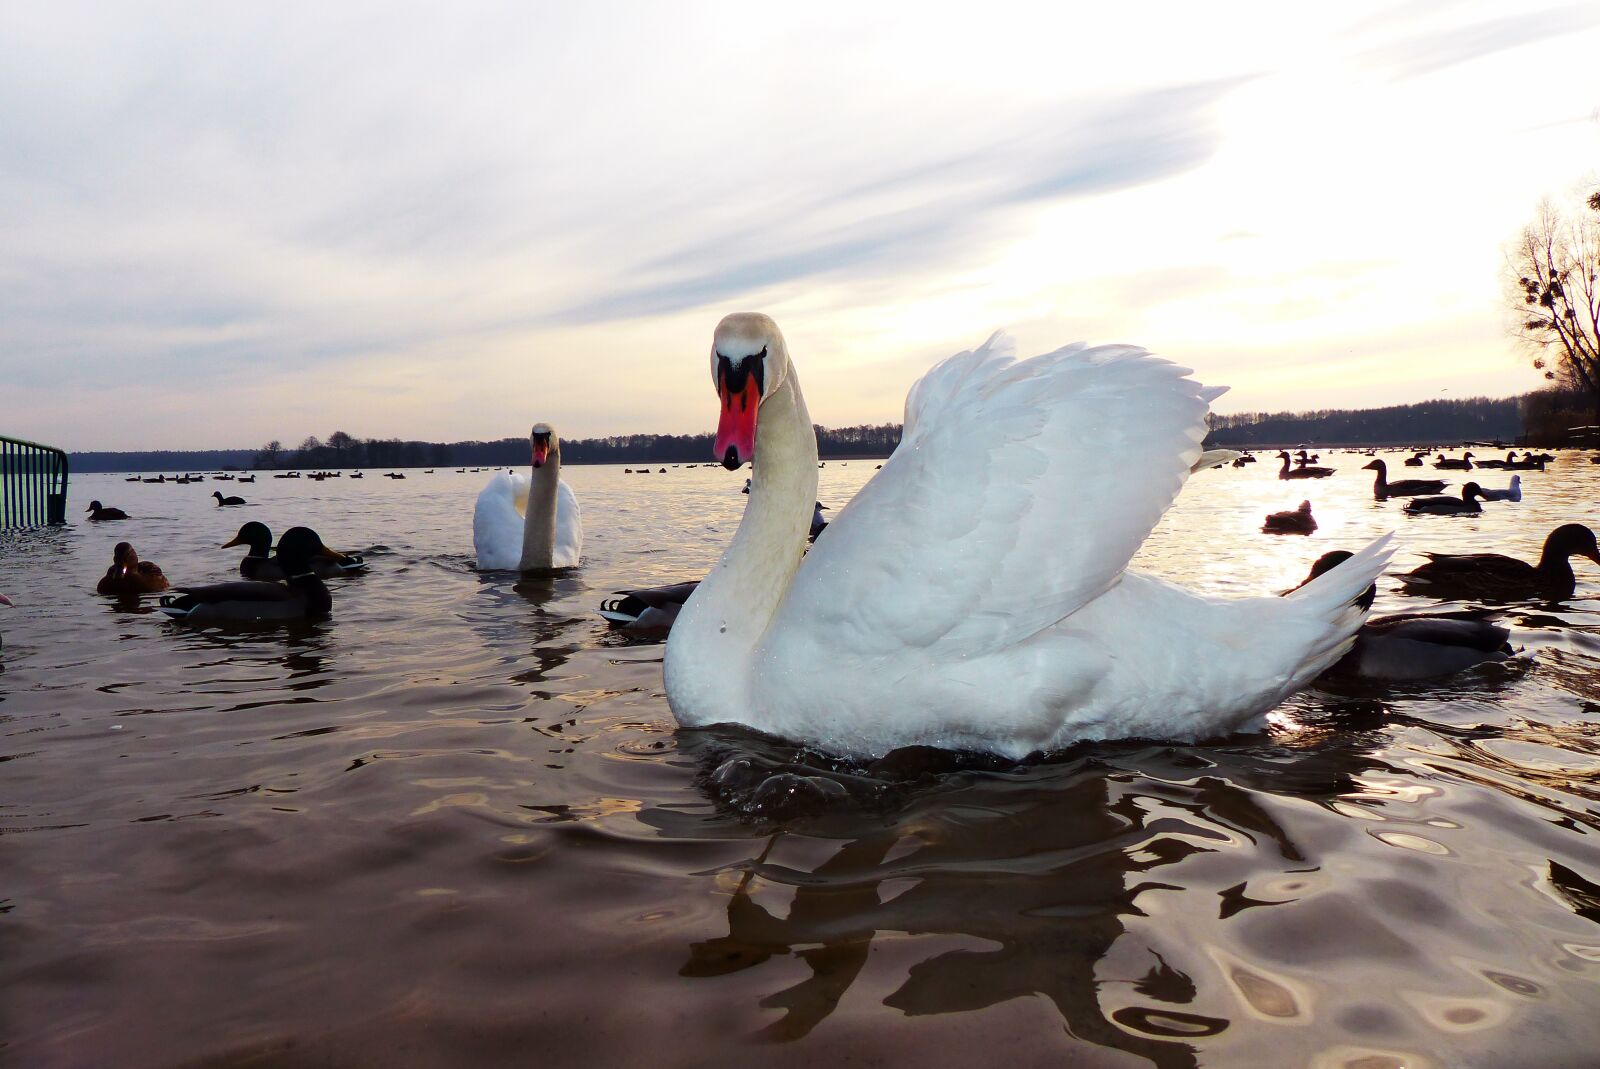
(975, 593)
(529, 523)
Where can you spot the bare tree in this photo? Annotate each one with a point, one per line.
(1556, 296)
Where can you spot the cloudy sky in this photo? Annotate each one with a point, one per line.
(226, 223)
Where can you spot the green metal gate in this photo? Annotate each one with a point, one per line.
(33, 484)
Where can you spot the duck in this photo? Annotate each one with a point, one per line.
(1415, 461)
(98, 513)
(530, 523)
(1529, 462)
(1494, 575)
(1302, 458)
(1412, 647)
(969, 597)
(1447, 506)
(650, 611)
(1383, 488)
(247, 478)
(221, 501)
(1298, 521)
(303, 595)
(1462, 463)
(1512, 492)
(130, 575)
(257, 537)
(1307, 472)
(1511, 459)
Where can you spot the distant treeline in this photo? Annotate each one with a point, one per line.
(342, 450)
(1542, 418)
(1427, 422)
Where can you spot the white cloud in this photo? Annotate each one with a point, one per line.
(228, 224)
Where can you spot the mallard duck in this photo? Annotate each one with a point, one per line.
(1447, 506)
(1382, 487)
(1286, 472)
(1409, 647)
(1300, 521)
(98, 512)
(221, 501)
(130, 575)
(257, 537)
(1494, 575)
(1462, 463)
(302, 596)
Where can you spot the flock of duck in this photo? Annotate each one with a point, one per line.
(943, 606)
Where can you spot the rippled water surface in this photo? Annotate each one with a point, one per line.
(455, 824)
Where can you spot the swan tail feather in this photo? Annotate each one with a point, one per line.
(1335, 599)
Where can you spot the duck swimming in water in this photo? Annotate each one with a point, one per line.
(975, 594)
(98, 512)
(301, 597)
(1404, 648)
(221, 501)
(1447, 506)
(1502, 578)
(1299, 521)
(1383, 488)
(1303, 472)
(257, 537)
(130, 575)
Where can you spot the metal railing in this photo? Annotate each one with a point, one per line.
(33, 484)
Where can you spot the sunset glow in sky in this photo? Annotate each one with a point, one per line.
(225, 224)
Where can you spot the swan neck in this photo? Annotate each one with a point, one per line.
(709, 652)
(539, 522)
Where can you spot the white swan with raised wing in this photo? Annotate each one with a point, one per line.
(975, 593)
(529, 523)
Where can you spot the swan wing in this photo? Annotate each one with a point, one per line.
(1019, 492)
(497, 521)
(569, 528)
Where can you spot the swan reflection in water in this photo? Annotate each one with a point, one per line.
(1045, 864)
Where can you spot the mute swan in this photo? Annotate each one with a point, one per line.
(529, 523)
(973, 595)
(1215, 458)
(1494, 575)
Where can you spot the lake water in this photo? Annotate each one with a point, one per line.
(455, 824)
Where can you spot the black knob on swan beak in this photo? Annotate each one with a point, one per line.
(730, 459)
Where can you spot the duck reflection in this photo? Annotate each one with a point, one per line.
(1044, 864)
